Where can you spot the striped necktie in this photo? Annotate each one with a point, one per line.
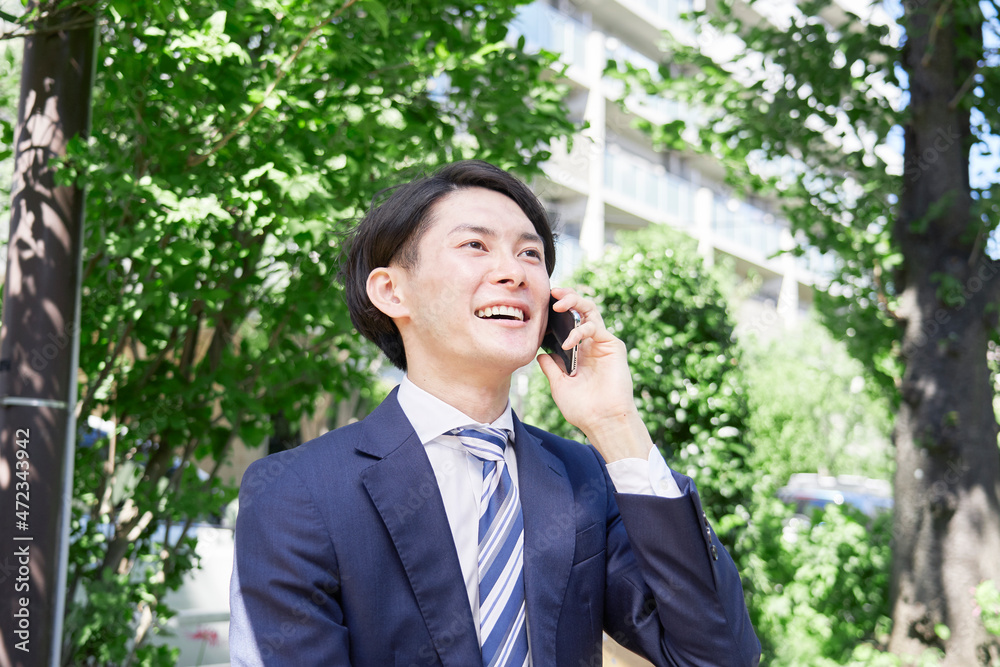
(503, 632)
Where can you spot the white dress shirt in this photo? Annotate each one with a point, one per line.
(460, 474)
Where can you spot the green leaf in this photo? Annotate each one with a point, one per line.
(216, 23)
(379, 13)
(255, 173)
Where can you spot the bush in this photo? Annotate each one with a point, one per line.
(818, 596)
(819, 593)
(813, 409)
(657, 296)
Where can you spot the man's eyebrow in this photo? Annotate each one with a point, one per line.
(489, 232)
(475, 229)
(532, 237)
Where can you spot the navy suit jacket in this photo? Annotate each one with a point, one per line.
(344, 556)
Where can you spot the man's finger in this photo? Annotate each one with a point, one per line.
(577, 335)
(552, 366)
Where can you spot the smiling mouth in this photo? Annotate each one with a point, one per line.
(501, 313)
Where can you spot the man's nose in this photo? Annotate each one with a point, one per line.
(509, 271)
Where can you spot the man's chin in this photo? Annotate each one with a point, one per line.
(508, 361)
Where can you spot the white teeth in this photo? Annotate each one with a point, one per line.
(508, 311)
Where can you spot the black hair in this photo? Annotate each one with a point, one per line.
(391, 231)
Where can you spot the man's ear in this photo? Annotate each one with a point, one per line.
(385, 289)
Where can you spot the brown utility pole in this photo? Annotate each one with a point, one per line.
(39, 344)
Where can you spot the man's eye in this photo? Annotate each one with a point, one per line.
(531, 252)
(476, 245)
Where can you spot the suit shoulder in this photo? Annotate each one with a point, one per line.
(321, 452)
(547, 437)
(565, 448)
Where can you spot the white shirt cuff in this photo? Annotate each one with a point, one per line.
(650, 477)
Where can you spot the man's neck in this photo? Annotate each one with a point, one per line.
(482, 401)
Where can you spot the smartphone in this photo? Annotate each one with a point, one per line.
(560, 324)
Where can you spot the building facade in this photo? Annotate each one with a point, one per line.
(610, 178)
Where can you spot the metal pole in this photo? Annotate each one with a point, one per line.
(39, 339)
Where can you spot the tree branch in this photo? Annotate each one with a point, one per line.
(880, 291)
(966, 85)
(84, 406)
(171, 549)
(155, 364)
(173, 484)
(91, 265)
(992, 293)
(109, 364)
(195, 160)
(935, 28)
(185, 364)
(22, 32)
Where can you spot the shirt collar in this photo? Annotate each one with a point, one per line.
(432, 417)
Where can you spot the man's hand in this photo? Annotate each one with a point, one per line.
(598, 399)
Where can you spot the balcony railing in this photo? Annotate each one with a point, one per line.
(650, 186)
(747, 226)
(546, 28)
(661, 109)
(754, 233)
(666, 10)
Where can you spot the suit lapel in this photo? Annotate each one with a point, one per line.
(549, 536)
(403, 488)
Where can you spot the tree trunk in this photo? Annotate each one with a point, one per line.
(947, 516)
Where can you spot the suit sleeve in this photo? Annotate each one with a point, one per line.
(673, 592)
(285, 584)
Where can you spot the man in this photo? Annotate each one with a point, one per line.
(440, 530)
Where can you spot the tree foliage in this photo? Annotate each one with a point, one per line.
(813, 408)
(988, 599)
(818, 589)
(809, 106)
(9, 70)
(801, 113)
(656, 295)
(232, 144)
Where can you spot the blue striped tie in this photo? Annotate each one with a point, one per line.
(503, 632)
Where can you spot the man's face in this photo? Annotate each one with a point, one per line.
(477, 301)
